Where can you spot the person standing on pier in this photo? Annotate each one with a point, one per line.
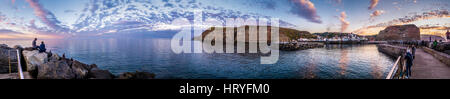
(409, 62)
(435, 44)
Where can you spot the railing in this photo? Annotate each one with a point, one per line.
(19, 66)
(394, 68)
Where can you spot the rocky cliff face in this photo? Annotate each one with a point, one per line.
(285, 34)
(400, 32)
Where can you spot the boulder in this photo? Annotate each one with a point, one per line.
(18, 47)
(55, 57)
(34, 59)
(55, 70)
(79, 69)
(100, 74)
(92, 67)
(28, 49)
(97, 73)
(136, 75)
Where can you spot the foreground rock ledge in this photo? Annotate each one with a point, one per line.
(52, 66)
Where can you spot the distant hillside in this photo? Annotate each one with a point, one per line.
(285, 34)
(406, 32)
(333, 34)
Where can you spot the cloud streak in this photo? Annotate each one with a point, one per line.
(344, 23)
(44, 15)
(7, 31)
(306, 9)
(407, 20)
(373, 4)
(376, 13)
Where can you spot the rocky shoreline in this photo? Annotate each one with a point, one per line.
(50, 65)
(293, 46)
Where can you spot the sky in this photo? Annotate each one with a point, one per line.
(68, 18)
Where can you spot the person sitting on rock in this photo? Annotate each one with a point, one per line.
(42, 47)
(34, 44)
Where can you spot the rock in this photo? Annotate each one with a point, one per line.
(136, 75)
(97, 73)
(126, 75)
(52, 66)
(93, 67)
(400, 32)
(3, 46)
(28, 49)
(18, 47)
(55, 70)
(54, 57)
(79, 69)
(34, 59)
(100, 74)
(299, 46)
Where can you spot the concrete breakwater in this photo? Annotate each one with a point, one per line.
(299, 46)
(48, 65)
(391, 50)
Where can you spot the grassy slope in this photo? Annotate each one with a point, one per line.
(285, 34)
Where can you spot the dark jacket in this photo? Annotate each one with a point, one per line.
(409, 59)
(34, 44)
(42, 48)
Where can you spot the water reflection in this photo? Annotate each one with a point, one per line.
(343, 62)
(155, 55)
(310, 69)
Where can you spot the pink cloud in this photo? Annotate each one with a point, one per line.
(344, 23)
(376, 13)
(44, 15)
(373, 4)
(307, 10)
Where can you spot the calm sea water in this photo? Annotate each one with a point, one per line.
(155, 55)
